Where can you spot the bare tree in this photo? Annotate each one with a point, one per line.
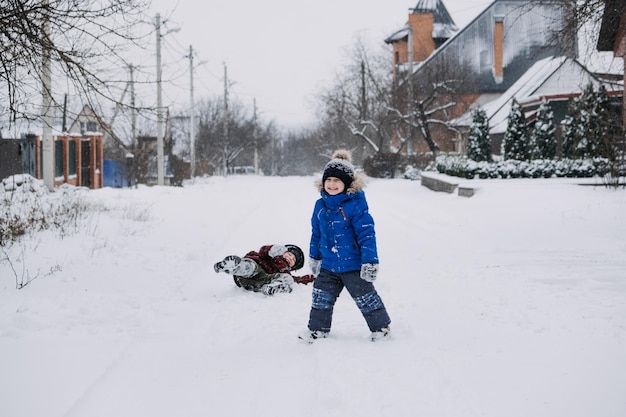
(216, 151)
(382, 113)
(85, 42)
(582, 19)
(429, 108)
(360, 97)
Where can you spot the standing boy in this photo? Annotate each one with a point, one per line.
(343, 251)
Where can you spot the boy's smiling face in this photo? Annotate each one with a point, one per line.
(334, 186)
(290, 258)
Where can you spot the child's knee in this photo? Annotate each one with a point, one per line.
(247, 268)
(323, 300)
(369, 302)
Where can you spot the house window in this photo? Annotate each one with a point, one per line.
(71, 161)
(485, 60)
(88, 127)
(58, 158)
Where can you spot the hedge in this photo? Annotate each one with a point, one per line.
(460, 166)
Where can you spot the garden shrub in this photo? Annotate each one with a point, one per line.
(461, 166)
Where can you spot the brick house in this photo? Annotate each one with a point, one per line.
(554, 79)
(484, 59)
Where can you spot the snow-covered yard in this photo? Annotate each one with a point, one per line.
(510, 303)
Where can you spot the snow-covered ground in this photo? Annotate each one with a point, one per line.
(510, 303)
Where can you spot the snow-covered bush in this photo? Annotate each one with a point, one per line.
(486, 170)
(382, 164)
(411, 173)
(393, 164)
(461, 166)
(455, 166)
(26, 206)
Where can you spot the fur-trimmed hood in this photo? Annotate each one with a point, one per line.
(358, 183)
(340, 166)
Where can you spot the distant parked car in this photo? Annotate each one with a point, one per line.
(241, 170)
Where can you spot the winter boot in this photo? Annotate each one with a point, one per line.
(309, 336)
(281, 284)
(382, 334)
(228, 264)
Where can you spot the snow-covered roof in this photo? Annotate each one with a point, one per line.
(470, 52)
(550, 76)
(398, 35)
(604, 63)
(443, 27)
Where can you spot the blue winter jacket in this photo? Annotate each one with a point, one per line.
(343, 235)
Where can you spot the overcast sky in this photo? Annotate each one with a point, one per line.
(277, 52)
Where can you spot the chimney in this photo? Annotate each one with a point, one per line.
(498, 49)
(423, 43)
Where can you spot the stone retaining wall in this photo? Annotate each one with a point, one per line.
(444, 183)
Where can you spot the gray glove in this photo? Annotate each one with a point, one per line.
(315, 265)
(369, 272)
(277, 250)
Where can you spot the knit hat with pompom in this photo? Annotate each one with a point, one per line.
(340, 166)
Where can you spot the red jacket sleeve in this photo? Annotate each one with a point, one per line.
(269, 264)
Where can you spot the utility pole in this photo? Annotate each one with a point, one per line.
(409, 139)
(192, 147)
(225, 120)
(363, 109)
(46, 79)
(256, 150)
(132, 160)
(133, 111)
(160, 156)
(64, 126)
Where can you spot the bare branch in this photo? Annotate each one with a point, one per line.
(361, 133)
(86, 43)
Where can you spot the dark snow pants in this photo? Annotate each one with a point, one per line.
(254, 278)
(327, 287)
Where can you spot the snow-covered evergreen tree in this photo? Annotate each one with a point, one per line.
(542, 141)
(515, 144)
(571, 133)
(478, 141)
(586, 146)
(588, 125)
(603, 128)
